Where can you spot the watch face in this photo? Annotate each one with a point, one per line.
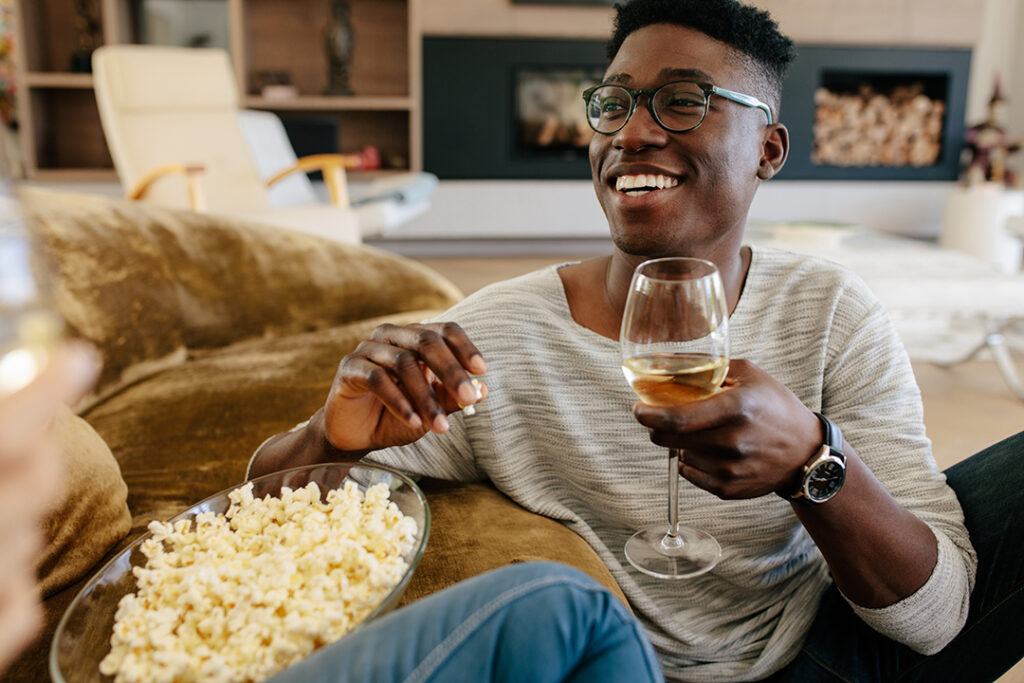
(825, 480)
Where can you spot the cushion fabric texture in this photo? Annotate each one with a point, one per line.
(92, 515)
(474, 528)
(147, 285)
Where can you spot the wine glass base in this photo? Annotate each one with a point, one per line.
(653, 552)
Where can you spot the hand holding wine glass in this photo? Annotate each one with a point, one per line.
(675, 349)
(37, 376)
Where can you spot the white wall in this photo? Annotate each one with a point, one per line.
(1000, 53)
(174, 22)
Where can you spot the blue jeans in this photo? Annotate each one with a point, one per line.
(530, 622)
(840, 647)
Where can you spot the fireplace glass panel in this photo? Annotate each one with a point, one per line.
(550, 117)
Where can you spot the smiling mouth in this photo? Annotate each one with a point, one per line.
(634, 185)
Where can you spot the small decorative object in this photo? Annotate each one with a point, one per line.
(339, 43)
(987, 146)
(277, 85)
(980, 211)
(87, 36)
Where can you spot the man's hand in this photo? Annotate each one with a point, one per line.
(749, 439)
(400, 384)
(30, 484)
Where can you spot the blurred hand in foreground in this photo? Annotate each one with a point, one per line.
(30, 485)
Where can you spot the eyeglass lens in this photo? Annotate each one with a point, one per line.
(677, 106)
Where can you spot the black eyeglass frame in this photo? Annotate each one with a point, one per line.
(707, 88)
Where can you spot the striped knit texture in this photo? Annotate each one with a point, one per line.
(556, 434)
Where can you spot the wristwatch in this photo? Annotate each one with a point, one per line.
(824, 474)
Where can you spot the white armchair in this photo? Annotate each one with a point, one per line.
(171, 119)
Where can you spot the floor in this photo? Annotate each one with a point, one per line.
(966, 407)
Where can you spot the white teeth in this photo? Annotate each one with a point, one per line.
(638, 184)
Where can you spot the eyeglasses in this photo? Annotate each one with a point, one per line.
(677, 106)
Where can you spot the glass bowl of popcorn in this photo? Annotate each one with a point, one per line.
(248, 581)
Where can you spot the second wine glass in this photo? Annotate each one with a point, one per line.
(675, 349)
(29, 326)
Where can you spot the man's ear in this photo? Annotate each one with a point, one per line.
(774, 150)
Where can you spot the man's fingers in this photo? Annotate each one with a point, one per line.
(466, 351)
(446, 364)
(718, 410)
(443, 353)
(360, 374)
(447, 342)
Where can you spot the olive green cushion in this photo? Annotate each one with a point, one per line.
(147, 284)
(475, 528)
(92, 515)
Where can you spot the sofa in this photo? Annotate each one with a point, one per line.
(215, 334)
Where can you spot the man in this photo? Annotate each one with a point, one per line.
(680, 148)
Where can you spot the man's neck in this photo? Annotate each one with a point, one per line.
(596, 290)
(732, 263)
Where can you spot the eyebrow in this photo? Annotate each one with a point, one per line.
(665, 75)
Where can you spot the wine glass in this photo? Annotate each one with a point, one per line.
(675, 349)
(29, 327)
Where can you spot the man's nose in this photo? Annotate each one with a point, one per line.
(641, 130)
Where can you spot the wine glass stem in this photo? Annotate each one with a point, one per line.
(673, 495)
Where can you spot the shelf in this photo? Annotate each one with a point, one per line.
(58, 79)
(72, 175)
(61, 134)
(329, 103)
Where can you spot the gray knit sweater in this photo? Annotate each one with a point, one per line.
(556, 435)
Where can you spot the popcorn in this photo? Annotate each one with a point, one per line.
(470, 410)
(241, 595)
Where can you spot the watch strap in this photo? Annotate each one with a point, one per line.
(833, 436)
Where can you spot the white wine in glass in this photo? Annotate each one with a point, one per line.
(675, 349)
(29, 327)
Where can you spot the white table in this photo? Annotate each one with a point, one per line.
(947, 306)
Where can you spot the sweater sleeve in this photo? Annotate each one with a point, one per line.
(442, 456)
(870, 391)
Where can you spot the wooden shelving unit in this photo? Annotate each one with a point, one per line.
(61, 135)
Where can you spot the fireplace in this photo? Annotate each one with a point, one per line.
(875, 113)
(502, 108)
(512, 109)
(550, 121)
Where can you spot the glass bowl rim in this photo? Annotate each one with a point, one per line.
(384, 605)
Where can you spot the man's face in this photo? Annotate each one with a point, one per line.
(707, 176)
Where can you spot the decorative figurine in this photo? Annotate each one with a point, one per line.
(988, 144)
(339, 43)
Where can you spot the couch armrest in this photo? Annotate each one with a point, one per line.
(147, 284)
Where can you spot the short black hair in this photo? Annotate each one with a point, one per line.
(747, 29)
